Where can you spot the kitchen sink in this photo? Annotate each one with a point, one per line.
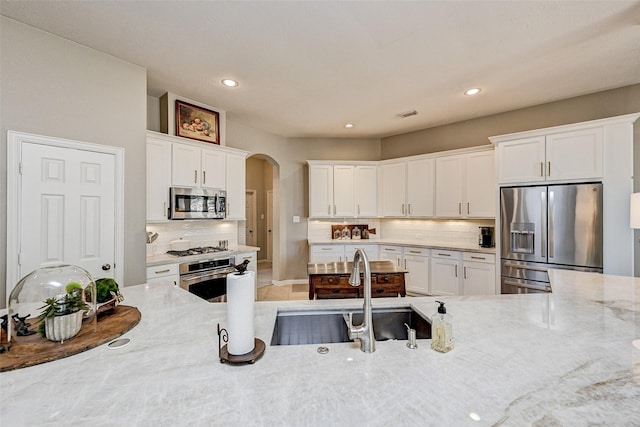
(294, 327)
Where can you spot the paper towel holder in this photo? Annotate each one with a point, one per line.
(251, 357)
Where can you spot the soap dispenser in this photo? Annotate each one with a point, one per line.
(442, 330)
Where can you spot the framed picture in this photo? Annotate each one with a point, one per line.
(197, 123)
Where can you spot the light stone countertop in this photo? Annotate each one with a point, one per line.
(413, 243)
(560, 359)
(160, 259)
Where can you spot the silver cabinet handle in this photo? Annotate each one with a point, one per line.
(456, 270)
(541, 169)
(328, 209)
(477, 257)
(195, 176)
(334, 209)
(403, 209)
(405, 264)
(460, 208)
(549, 163)
(409, 206)
(358, 208)
(162, 271)
(443, 254)
(464, 272)
(468, 208)
(164, 209)
(326, 249)
(204, 177)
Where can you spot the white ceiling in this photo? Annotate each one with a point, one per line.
(308, 67)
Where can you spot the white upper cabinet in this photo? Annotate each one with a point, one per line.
(236, 185)
(158, 178)
(574, 155)
(344, 191)
(394, 189)
(197, 167)
(564, 156)
(465, 185)
(420, 187)
(407, 188)
(338, 190)
(480, 188)
(449, 183)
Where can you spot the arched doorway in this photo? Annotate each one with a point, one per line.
(262, 180)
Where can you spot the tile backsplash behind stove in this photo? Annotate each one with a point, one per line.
(200, 233)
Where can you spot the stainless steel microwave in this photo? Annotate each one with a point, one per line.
(197, 203)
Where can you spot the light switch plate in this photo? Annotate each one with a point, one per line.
(296, 218)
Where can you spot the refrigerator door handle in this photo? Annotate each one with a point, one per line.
(543, 227)
(551, 210)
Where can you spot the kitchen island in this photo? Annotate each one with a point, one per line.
(564, 358)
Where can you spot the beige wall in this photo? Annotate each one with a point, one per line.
(475, 132)
(51, 86)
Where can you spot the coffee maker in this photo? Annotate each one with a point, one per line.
(486, 239)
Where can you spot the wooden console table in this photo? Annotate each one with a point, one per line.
(331, 280)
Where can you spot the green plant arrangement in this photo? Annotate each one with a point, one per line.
(62, 305)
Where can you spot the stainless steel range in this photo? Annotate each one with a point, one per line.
(205, 278)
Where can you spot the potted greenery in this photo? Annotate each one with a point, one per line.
(61, 316)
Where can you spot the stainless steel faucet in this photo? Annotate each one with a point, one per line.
(363, 332)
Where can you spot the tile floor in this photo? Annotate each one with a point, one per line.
(269, 292)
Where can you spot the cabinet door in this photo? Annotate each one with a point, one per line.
(521, 160)
(391, 253)
(158, 178)
(369, 249)
(478, 278)
(480, 188)
(327, 253)
(449, 174)
(236, 186)
(213, 171)
(185, 165)
(574, 155)
(320, 191)
(417, 276)
(445, 275)
(367, 191)
(393, 189)
(344, 195)
(420, 187)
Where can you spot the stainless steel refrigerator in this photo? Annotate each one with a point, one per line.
(551, 226)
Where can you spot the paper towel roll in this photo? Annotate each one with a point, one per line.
(240, 298)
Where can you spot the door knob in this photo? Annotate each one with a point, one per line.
(106, 267)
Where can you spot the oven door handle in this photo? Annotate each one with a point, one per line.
(216, 275)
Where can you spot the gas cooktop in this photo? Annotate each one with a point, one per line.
(197, 251)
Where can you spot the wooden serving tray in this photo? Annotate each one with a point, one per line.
(35, 349)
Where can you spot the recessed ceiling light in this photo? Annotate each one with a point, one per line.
(229, 83)
(349, 126)
(474, 91)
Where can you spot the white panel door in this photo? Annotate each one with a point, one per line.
(251, 226)
(67, 209)
(269, 225)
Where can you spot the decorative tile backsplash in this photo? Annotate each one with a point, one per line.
(201, 233)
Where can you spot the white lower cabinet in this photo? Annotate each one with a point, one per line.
(445, 272)
(391, 253)
(416, 261)
(478, 274)
(326, 253)
(163, 274)
(370, 250)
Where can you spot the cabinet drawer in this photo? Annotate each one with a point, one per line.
(326, 293)
(387, 279)
(391, 249)
(417, 251)
(439, 253)
(479, 257)
(328, 249)
(162, 270)
(335, 281)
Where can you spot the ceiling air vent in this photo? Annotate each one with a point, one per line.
(408, 114)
